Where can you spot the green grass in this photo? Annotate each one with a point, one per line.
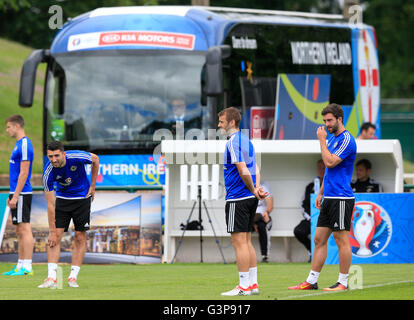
(204, 282)
(12, 57)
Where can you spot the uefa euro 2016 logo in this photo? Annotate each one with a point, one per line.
(371, 229)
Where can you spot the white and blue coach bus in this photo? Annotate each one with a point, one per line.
(113, 75)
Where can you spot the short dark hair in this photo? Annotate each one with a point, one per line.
(55, 145)
(335, 109)
(231, 113)
(366, 125)
(16, 118)
(365, 162)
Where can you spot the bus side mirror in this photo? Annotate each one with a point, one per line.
(214, 69)
(28, 76)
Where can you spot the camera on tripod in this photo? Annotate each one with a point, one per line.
(200, 190)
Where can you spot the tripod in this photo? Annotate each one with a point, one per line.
(199, 201)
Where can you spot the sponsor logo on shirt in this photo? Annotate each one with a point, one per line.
(67, 182)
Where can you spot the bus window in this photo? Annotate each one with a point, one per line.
(261, 52)
(116, 100)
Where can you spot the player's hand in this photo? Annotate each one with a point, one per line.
(12, 203)
(318, 201)
(91, 193)
(321, 133)
(52, 240)
(260, 193)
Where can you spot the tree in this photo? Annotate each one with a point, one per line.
(27, 21)
(15, 5)
(394, 25)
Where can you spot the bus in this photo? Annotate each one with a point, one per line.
(116, 75)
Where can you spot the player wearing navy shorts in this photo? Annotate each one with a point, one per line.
(20, 198)
(74, 195)
(335, 198)
(242, 182)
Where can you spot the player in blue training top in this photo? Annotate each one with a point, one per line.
(242, 181)
(336, 209)
(74, 195)
(20, 198)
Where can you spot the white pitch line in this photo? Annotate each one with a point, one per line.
(329, 292)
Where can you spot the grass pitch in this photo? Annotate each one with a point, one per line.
(205, 281)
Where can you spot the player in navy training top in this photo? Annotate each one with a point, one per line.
(20, 197)
(74, 195)
(338, 155)
(238, 149)
(242, 181)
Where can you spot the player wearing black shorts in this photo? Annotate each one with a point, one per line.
(78, 210)
(243, 221)
(21, 213)
(336, 209)
(20, 198)
(72, 201)
(336, 214)
(242, 181)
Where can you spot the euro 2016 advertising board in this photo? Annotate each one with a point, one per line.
(382, 229)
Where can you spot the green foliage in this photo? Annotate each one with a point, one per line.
(12, 56)
(27, 21)
(6, 5)
(394, 25)
(298, 5)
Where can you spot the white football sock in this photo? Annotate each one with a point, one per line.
(343, 279)
(52, 269)
(19, 264)
(27, 264)
(74, 271)
(253, 276)
(244, 279)
(313, 277)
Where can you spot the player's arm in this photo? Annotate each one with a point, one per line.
(245, 175)
(330, 160)
(21, 181)
(247, 179)
(94, 175)
(51, 200)
(318, 200)
(257, 176)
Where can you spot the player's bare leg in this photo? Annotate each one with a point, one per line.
(239, 240)
(77, 257)
(241, 247)
(25, 249)
(79, 248)
(344, 250)
(252, 251)
(53, 255)
(322, 235)
(254, 287)
(345, 258)
(26, 241)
